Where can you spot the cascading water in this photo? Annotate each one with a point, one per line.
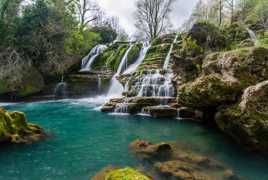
(116, 89)
(253, 36)
(167, 60)
(90, 58)
(140, 59)
(155, 84)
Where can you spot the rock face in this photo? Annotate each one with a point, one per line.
(21, 81)
(247, 122)
(172, 161)
(207, 91)
(15, 129)
(111, 173)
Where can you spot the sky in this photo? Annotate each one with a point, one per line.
(124, 9)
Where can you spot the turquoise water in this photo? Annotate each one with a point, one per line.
(85, 140)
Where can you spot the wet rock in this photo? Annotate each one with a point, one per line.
(161, 111)
(111, 173)
(150, 101)
(131, 108)
(14, 128)
(108, 108)
(247, 121)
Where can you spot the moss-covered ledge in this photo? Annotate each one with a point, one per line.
(14, 128)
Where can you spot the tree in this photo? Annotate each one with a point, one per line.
(87, 11)
(152, 17)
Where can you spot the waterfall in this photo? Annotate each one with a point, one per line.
(156, 84)
(131, 69)
(253, 36)
(90, 58)
(60, 89)
(167, 60)
(116, 89)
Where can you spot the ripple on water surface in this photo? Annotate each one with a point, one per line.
(85, 140)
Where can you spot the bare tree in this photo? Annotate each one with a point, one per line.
(87, 11)
(153, 17)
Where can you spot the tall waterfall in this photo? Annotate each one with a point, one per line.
(167, 60)
(131, 69)
(253, 36)
(116, 89)
(90, 58)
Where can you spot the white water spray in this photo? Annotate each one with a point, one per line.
(90, 58)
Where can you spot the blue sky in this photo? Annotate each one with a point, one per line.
(124, 9)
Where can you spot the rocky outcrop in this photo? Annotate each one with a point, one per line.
(14, 128)
(207, 91)
(247, 121)
(112, 173)
(245, 66)
(173, 161)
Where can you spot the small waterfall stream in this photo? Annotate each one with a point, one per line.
(90, 58)
(60, 89)
(253, 36)
(140, 59)
(167, 60)
(116, 89)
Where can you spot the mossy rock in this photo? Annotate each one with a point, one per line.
(207, 91)
(126, 174)
(15, 129)
(113, 173)
(247, 66)
(247, 121)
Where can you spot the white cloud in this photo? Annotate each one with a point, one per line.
(124, 9)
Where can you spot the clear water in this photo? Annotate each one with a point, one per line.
(86, 140)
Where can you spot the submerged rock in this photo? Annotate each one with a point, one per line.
(111, 173)
(247, 122)
(161, 111)
(15, 129)
(172, 161)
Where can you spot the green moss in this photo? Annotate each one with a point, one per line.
(134, 53)
(14, 128)
(126, 174)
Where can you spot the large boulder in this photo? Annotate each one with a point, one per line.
(15, 129)
(207, 91)
(247, 122)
